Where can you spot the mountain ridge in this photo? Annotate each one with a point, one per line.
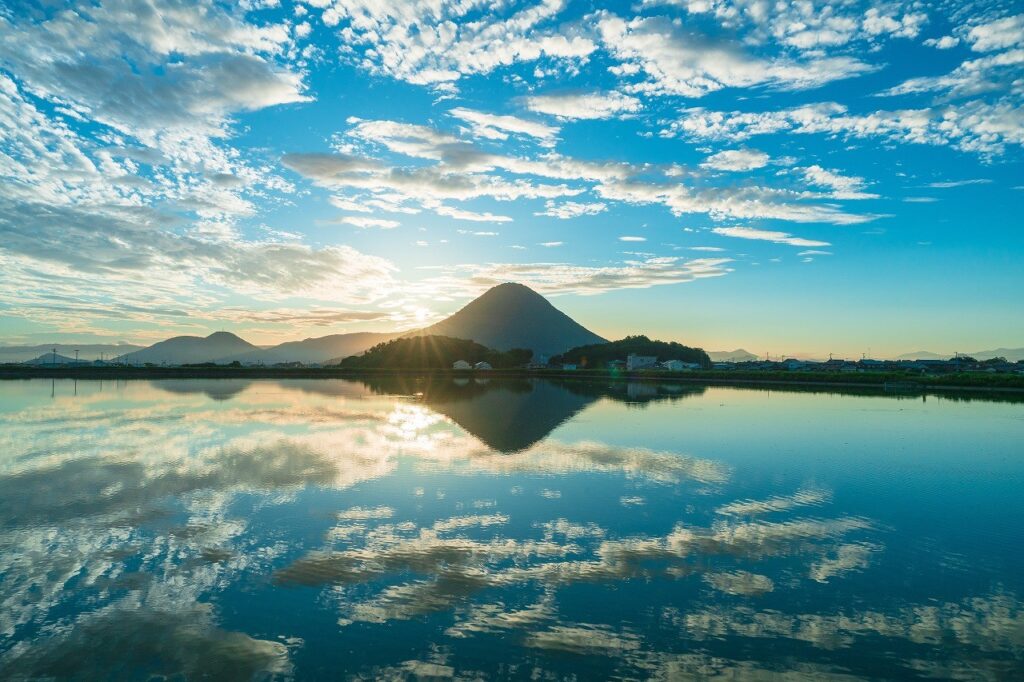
(179, 350)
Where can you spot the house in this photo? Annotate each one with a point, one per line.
(724, 365)
(482, 365)
(792, 364)
(461, 364)
(635, 362)
(680, 366)
(569, 366)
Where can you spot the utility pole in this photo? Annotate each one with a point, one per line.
(76, 356)
(54, 356)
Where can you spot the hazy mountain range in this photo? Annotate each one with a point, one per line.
(738, 355)
(86, 351)
(1011, 354)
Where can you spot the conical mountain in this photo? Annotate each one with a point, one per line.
(191, 349)
(514, 316)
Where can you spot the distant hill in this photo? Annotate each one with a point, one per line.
(1011, 354)
(191, 349)
(432, 352)
(321, 350)
(86, 351)
(600, 354)
(514, 316)
(49, 359)
(738, 355)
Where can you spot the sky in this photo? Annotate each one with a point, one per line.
(791, 178)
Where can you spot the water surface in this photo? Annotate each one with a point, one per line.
(329, 529)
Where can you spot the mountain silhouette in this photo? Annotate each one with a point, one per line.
(738, 355)
(191, 349)
(1011, 354)
(514, 316)
(321, 350)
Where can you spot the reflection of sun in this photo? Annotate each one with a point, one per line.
(408, 421)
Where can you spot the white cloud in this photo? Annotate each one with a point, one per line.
(363, 222)
(169, 77)
(551, 244)
(958, 183)
(566, 278)
(462, 214)
(690, 65)
(766, 235)
(346, 204)
(436, 44)
(571, 209)
(495, 127)
(943, 43)
(807, 25)
(629, 238)
(584, 105)
(843, 187)
(737, 202)
(993, 73)
(976, 126)
(997, 35)
(736, 160)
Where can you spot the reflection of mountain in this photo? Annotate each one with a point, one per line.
(217, 389)
(507, 415)
(510, 415)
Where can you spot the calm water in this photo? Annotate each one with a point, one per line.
(333, 529)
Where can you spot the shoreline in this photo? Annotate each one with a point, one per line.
(886, 382)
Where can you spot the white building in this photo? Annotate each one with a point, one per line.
(482, 365)
(634, 362)
(461, 364)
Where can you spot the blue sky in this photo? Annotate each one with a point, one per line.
(792, 178)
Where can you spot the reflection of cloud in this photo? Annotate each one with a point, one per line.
(83, 488)
(131, 642)
(365, 513)
(740, 582)
(584, 639)
(774, 504)
(846, 558)
(451, 570)
(991, 624)
(491, 618)
(556, 458)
